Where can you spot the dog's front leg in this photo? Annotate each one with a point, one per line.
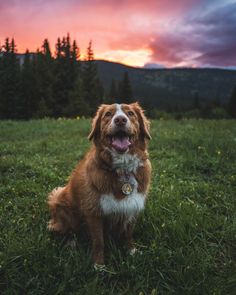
(129, 237)
(95, 227)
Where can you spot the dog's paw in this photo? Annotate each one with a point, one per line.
(99, 267)
(135, 251)
(51, 226)
(102, 269)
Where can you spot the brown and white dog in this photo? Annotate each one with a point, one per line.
(110, 184)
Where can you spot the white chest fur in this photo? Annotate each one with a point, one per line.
(128, 207)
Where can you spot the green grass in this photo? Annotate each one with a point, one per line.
(187, 232)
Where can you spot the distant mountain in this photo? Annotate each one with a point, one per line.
(159, 87)
(170, 86)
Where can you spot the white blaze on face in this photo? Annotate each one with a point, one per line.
(119, 112)
(120, 141)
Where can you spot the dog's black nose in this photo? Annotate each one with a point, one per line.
(120, 121)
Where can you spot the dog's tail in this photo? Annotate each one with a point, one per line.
(58, 209)
(53, 196)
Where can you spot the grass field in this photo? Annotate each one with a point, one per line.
(187, 232)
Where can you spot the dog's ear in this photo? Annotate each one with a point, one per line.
(96, 123)
(143, 121)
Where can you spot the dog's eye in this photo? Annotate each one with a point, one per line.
(107, 114)
(130, 113)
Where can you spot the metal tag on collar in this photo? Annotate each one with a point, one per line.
(127, 188)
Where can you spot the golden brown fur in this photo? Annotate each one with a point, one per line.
(95, 177)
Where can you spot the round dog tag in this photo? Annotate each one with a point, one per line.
(126, 189)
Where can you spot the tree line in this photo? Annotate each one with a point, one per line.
(44, 84)
(61, 84)
(213, 109)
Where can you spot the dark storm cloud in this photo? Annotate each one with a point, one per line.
(219, 30)
(205, 39)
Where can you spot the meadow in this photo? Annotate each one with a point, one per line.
(187, 233)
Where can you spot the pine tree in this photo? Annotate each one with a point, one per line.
(45, 69)
(232, 104)
(10, 81)
(67, 47)
(75, 53)
(75, 68)
(58, 49)
(77, 106)
(28, 102)
(93, 91)
(125, 92)
(46, 51)
(60, 74)
(66, 73)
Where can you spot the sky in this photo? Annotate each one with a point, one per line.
(149, 33)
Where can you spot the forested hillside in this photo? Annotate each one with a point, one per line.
(170, 86)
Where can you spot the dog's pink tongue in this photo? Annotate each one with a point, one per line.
(121, 144)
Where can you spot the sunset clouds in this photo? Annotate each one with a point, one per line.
(207, 38)
(136, 32)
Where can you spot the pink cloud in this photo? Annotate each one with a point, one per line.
(31, 21)
(155, 30)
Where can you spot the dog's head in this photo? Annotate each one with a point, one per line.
(120, 127)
